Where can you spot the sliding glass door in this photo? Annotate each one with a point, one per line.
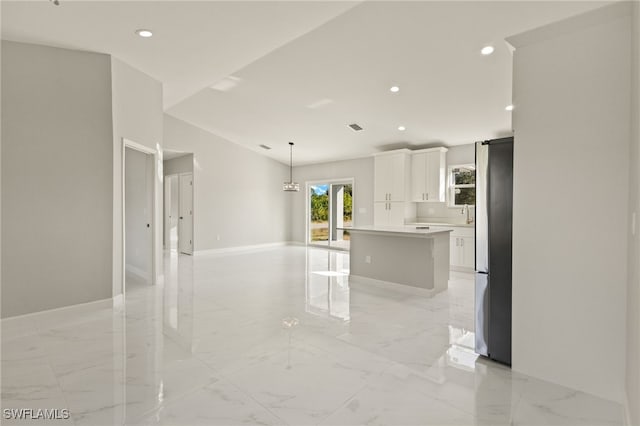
(330, 209)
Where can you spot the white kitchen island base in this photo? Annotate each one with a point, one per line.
(418, 258)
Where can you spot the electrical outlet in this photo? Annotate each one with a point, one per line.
(362, 210)
(367, 259)
(218, 237)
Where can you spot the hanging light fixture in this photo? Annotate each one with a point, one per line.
(291, 186)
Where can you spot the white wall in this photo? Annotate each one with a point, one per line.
(633, 283)
(56, 178)
(183, 164)
(237, 193)
(362, 172)
(138, 213)
(571, 93)
(137, 116)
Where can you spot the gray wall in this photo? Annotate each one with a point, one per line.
(183, 164)
(137, 116)
(633, 283)
(138, 212)
(237, 192)
(56, 178)
(362, 172)
(572, 122)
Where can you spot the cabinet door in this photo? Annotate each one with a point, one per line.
(397, 180)
(434, 185)
(468, 252)
(418, 177)
(381, 213)
(454, 251)
(396, 214)
(382, 178)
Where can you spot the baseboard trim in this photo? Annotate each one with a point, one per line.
(118, 300)
(402, 288)
(627, 411)
(239, 249)
(81, 307)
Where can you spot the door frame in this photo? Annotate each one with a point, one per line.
(192, 211)
(156, 239)
(348, 181)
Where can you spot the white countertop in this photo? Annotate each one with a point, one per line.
(407, 229)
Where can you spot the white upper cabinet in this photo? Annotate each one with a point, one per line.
(392, 176)
(428, 175)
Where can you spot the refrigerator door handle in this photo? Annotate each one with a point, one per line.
(482, 314)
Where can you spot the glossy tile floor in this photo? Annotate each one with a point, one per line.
(218, 344)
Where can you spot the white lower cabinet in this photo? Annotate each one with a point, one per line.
(462, 248)
(388, 213)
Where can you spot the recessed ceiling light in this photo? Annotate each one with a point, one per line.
(402, 128)
(487, 50)
(144, 33)
(509, 108)
(395, 89)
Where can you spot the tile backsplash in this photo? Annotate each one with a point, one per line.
(441, 212)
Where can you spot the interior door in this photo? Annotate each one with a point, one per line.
(185, 221)
(166, 235)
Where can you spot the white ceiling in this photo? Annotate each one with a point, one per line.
(304, 70)
(195, 43)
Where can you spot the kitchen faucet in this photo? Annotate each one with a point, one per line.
(466, 207)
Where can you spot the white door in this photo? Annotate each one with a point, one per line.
(185, 221)
(166, 239)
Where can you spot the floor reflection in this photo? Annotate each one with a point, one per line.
(327, 286)
(275, 337)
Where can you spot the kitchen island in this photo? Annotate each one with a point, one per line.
(417, 257)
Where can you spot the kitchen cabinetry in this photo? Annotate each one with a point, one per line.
(389, 213)
(428, 175)
(392, 173)
(462, 248)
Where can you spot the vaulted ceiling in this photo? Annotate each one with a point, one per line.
(266, 72)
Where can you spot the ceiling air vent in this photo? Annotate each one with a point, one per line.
(355, 127)
(265, 146)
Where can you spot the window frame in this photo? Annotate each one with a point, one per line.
(451, 186)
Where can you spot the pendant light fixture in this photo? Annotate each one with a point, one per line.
(291, 186)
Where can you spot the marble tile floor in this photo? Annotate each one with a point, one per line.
(209, 347)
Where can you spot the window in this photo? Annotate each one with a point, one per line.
(462, 185)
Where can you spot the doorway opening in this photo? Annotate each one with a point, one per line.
(139, 167)
(178, 213)
(178, 202)
(330, 209)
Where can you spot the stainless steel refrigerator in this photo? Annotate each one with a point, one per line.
(494, 218)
